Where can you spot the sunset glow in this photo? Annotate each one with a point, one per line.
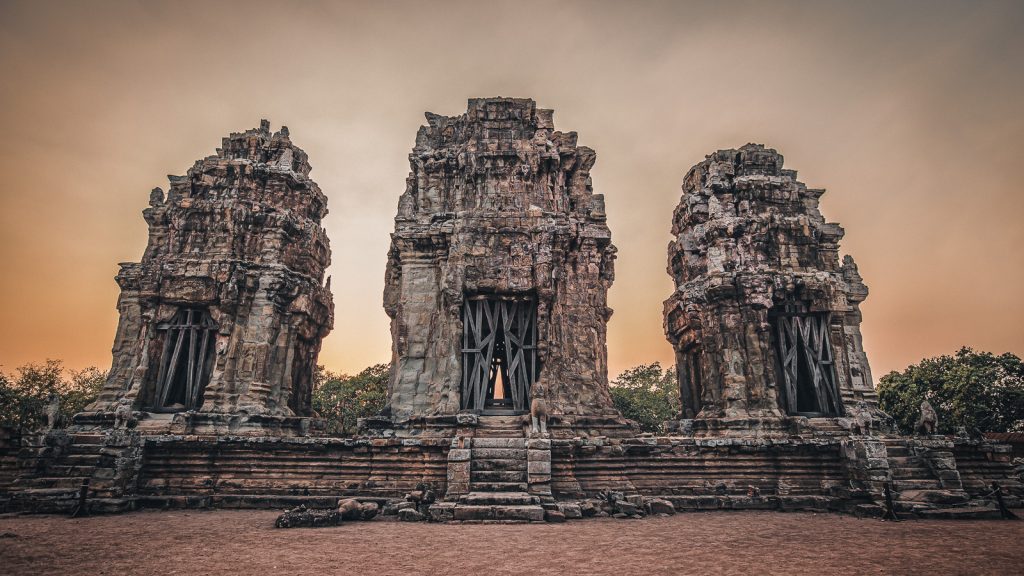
(908, 114)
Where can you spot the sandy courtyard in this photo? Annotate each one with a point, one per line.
(239, 542)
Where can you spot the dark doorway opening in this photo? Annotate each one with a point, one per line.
(806, 364)
(186, 362)
(691, 382)
(499, 353)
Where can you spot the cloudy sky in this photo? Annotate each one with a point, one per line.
(908, 113)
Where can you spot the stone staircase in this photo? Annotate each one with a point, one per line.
(498, 483)
(980, 465)
(492, 475)
(502, 426)
(928, 485)
(61, 463)
(58, 466)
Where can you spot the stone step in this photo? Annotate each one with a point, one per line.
(62, 483)
(61, 470)
(517, 443)
(81, 459)
(492, 421)
(500, 464)
(498, 499)
(896, 448)
(901, 485)
(962, 513)
(47, 493)
(942, 497)
(497, 476)
(531, 513)
(499, 453)
(911, 473)
(498, 486)
(88, 437)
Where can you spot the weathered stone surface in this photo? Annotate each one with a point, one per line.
(555, 516)
(570, 510)
(750, 245)
(442, 512)
(238, 240)
(411, 515)
(498, 203)
(347, 510)
(659, 506)
(393, 508)
(588, 509)
(303, 518)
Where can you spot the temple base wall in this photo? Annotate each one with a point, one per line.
(822, 472)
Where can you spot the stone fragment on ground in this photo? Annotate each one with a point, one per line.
(348, 510)
(411, 515)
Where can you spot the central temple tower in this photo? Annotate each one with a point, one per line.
(499, 269)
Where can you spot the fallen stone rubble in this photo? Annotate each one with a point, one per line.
(348, 510)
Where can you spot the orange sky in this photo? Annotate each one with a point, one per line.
(908, 113)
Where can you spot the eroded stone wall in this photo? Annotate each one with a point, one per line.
(238, 237)
(498, 202)
(750, 240)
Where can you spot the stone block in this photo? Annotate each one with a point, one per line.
(499, 453)
(538, 455)
(659, 506)
(875, 450)
(441, 512)
(877, 463)
(528, 513)
(539, 468)
(627, 508)
(538, 444)
(515, 443)
(555, 516)
(411, 515)
(393, 508)
(467, 419)
(570, 510)
(474, 513)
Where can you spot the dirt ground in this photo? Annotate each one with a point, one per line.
(237, 542)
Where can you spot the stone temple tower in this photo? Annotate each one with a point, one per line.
(765, 320)
(222, 319)
(499, 269)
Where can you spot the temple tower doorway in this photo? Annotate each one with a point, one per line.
(186, 361)
(499, 353)
(805, 361)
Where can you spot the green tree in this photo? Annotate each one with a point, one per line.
(341, 399)
(647, 395)
(23, 399)
(977, 390)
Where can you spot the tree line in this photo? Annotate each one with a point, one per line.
(976, 391)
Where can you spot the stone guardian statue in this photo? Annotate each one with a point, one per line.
(928, 421)
(538, 408)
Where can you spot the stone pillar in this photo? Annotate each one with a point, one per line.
(938, 455)
(538, 466)
(866, 463)
(459, 465)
